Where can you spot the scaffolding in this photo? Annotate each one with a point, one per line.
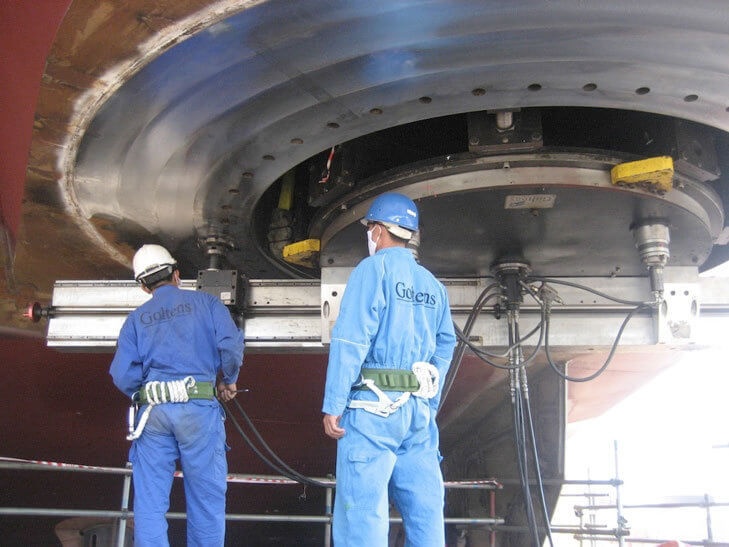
(124, 514)
(584, 531)
(706, 504)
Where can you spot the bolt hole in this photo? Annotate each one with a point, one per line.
(333, 125)
(694, 259)
(534, 87)
(478, 91)
(330, 261)
(425, 100)
(376, 111)
(334, 293)
(691, 98)
(685, 293)
(268, 157)
(589, 87)
(297, 141)
(673, 293)
(643, 90)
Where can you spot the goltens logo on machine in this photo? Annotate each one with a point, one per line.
(408, 294)
(165, 314)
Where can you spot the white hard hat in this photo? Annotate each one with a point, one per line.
(150, 259)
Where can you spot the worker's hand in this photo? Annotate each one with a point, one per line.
(331, 426)
(226, 392)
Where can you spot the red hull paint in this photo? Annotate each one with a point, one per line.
(27, 29)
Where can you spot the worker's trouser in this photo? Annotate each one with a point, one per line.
(400, 451)
(193, 432)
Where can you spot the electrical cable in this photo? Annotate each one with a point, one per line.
(609, 357)
(284, 469)
(328, 170)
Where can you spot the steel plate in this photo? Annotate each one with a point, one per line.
(466, 224)
(189, 144)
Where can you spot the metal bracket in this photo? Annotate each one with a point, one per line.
(333, 283)
(678, 314)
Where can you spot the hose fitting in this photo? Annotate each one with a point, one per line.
(652, 239)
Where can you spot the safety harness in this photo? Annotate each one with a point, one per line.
(155, 393)
(422, 381)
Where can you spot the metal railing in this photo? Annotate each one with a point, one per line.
(493, 523)
(582, 532)
(125, 514)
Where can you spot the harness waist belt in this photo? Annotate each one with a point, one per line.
(390, 379)
(201, 390)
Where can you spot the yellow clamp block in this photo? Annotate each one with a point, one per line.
(653, 174)
(302, 253)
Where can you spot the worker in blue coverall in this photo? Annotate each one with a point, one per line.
(172, 348)
(394, 321)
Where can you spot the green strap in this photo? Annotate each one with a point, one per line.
(391, 379)
(201, 390)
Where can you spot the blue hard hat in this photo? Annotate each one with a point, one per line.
(394, 208)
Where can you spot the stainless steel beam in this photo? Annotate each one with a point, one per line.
(297, 315)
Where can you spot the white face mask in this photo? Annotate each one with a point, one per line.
(372, 244)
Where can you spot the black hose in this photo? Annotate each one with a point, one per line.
(272, 453)
(585, 288)
(461, 347)
(514, 345)
(485, 356)
(284, 469)
(609, 357)
(522, 446)
(479, 353)
(540, 484)
(519, 440)
(521, 407)
(252, 446)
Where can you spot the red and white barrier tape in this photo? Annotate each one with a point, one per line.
(233, 477)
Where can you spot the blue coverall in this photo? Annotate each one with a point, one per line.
(393, 313)
(179, 333)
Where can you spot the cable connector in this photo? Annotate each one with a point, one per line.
(548, 296)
